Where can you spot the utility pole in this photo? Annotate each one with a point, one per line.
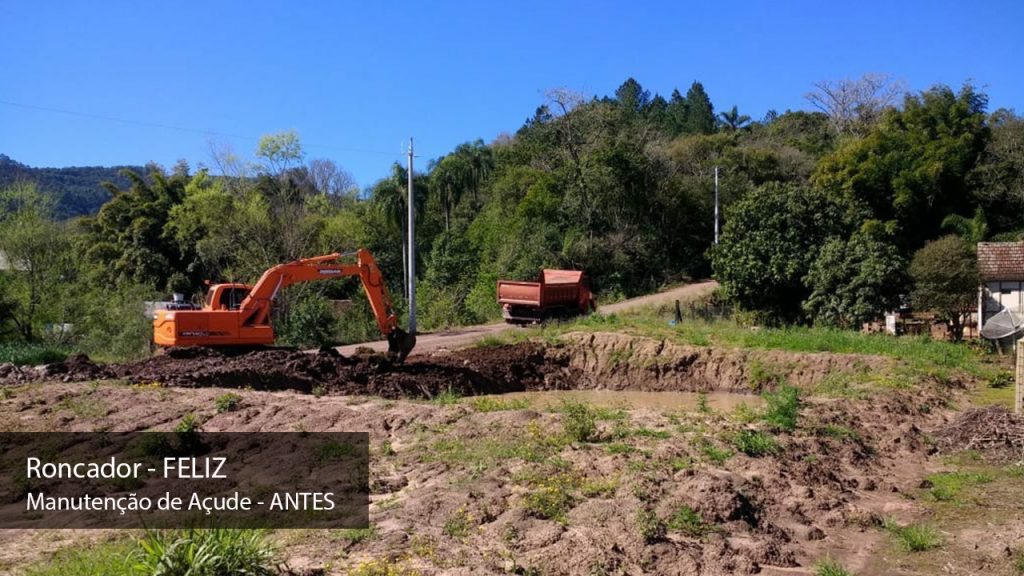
(716, 204)
(411, 204)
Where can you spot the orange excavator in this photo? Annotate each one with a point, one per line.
(238, 315)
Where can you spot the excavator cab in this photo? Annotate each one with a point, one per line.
(226, 296)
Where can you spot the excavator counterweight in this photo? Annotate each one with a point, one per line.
(238, 315)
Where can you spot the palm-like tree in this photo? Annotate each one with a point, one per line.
(732, 119)
(972, 230)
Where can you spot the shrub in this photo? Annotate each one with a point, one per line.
(212, 552)
(782, 407)
(649, 526)
(579, 421)
(829, 567)
(227, 402)
(22, 354)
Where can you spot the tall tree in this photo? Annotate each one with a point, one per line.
(854, 106)
(770, 239)
(676, 114)
(946, 279)
(632, 97)
(36, 250)
(912, 169)
(700, 114)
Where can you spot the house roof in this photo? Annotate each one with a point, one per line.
(1001, 260)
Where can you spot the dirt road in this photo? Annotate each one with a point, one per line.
(463, 336)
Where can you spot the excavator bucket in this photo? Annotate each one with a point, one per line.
(400, 344)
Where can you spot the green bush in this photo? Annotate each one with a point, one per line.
(782, 407)
(227, 402)
(755, 443)
(23, 354)
(914, 537)
(649, 526)
(829, 567)
(212, 552)
(307, 321)
(688, 521)
(579, 421)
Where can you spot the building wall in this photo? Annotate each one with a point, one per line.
(998, 295)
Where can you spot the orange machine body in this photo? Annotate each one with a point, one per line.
(557, 294)
(239, 314)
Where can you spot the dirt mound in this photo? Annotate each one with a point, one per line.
(994, 431)
(604, 361)
(499, 369)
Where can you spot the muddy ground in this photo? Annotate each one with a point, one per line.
(473, 487)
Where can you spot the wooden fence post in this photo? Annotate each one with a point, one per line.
(1018, 402)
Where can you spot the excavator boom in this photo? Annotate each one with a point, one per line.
(236, 315)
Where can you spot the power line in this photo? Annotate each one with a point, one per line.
(182, 128)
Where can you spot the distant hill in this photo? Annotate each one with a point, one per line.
(77, 189)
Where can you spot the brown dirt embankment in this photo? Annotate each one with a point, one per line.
(580, 361)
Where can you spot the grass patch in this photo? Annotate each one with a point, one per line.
(109, 559)
(688, 521)
(714, 454)
(619, 448)
(782, 408)
(649, 526)
(459, 524)
(949, 486)
(579, 421)
(552, 496)
(382, 567)
(227, 402)
(600, 488)
(755, 443)
(829, 567)
(491, 404)
(356, 535)
(914, 537)
(446, 398)
(22, 354)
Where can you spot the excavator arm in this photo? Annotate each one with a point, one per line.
(255, 308)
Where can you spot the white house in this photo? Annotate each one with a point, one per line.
(1001, 265)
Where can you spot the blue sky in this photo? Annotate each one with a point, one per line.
(356, 79)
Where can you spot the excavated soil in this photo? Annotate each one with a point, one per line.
(582, 361)
(458, 489)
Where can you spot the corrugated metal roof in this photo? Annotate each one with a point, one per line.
(1001, 260)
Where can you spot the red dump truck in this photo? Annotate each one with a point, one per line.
(558, 294)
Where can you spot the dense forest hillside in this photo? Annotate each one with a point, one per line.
(76, 190)
(830, 216)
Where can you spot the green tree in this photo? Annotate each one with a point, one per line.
(733, 120)
(700, 114)
(971, 230)
(770, 240)
(37, 252)
(632, 97)
(946, 280)
(854, 281)
(279, 151)
(911, 170)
